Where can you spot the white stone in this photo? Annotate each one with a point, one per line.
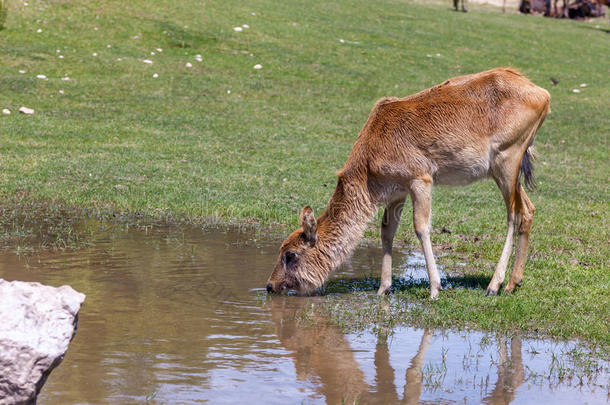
(61, 56)
(189, 65)
(61, 92)
(43, 77)
(94, 54)
(238, 29)
(6, 111)
(246, 26)
(155, 75)
(258, 66)
(575, 91)
(39, 30)
(583, 84)
(148, 61)
(37, 323)
(159, 50)
(26, 111)
(21, 71)
(65, 78)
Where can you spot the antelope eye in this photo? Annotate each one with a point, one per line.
(290, 258)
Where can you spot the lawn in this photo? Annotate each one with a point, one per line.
(130, 120)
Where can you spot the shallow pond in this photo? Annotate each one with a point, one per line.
(179, 316)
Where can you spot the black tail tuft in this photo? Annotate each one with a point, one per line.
(527, 169)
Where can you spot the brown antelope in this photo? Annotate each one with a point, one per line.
(465, 129)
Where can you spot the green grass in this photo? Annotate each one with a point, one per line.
(223, 140)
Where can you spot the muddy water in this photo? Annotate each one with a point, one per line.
(179, 317)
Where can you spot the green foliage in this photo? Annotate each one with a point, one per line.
(3, 13)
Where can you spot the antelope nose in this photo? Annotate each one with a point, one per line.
(269, 288)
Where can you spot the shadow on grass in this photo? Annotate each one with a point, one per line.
(402, 284)
(588, 27)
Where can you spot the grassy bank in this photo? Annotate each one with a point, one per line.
(118, 129)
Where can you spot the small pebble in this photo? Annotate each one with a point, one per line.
(583, 84)
(238, 29)
(6, 111)
(147, 61)
(155, 75)
(43, 77)
(254, 14)
(258, 66)
(159, 50)
(189, 65)
(61, 92)
(119, 59)
(575, 91)
(246, 26)
(25, 110)
(61, 56)
(108, 46)
(39, 30)
(152, 53)
(94, 54)
(65, 78)
(22, 71)
(57, 51)
(228, 91)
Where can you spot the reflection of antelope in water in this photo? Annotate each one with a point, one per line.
(511, 373)
(321, 353)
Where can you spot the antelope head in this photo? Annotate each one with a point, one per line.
(301, 265)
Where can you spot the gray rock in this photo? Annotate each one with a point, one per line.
(37, 323)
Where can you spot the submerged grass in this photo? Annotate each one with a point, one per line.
(221, 141)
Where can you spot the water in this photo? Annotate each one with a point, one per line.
(179, 316)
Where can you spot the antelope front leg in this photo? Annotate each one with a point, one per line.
(389, 224)
(421, 193)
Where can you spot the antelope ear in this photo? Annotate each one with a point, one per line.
(309, 224)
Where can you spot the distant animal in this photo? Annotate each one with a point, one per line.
(462, 130)
(464, 5)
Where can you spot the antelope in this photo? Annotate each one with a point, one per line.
(462, 130)
(464, 5)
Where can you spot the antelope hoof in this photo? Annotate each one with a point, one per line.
(434, 295)
(491, 292)
(512, 286)
(384, 290)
